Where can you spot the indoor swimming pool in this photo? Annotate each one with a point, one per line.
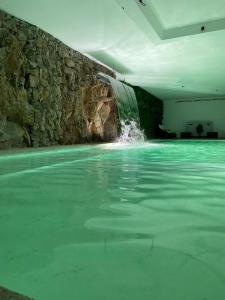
(114, 222)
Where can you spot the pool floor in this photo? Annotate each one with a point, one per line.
(114, 222)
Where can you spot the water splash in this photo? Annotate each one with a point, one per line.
(131, 133)
(127, 111)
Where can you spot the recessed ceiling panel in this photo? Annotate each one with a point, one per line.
(178, 13)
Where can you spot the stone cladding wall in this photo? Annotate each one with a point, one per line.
(41, 81)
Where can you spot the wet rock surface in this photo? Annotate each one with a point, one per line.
(41, 81)
(100, 112)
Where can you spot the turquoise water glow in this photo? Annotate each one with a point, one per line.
(114, 222)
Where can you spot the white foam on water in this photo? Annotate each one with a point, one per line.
(131, 133)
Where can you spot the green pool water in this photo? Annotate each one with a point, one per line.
(114, 222)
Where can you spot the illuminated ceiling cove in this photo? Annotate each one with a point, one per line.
(172, 19)
(172, 48)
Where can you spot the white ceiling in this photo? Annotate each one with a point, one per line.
(186, 12)
(159, 46)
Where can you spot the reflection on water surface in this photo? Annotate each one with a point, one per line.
(114, 221)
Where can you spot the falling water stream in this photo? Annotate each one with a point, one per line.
(130, 133)
(128, 111)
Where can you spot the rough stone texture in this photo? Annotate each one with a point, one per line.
(100, 112)
(150, 111)
(8, 295)
(41, 81)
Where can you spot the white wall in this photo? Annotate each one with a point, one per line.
(177, 114)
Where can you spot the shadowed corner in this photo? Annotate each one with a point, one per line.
(110, 61)
(6, 294)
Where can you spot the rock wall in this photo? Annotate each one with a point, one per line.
(41, 84)
(100, 112)
(150, 111)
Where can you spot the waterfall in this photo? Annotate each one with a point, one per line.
(127, 108)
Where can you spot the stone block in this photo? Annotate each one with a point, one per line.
(69, 62)
(33, 81)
